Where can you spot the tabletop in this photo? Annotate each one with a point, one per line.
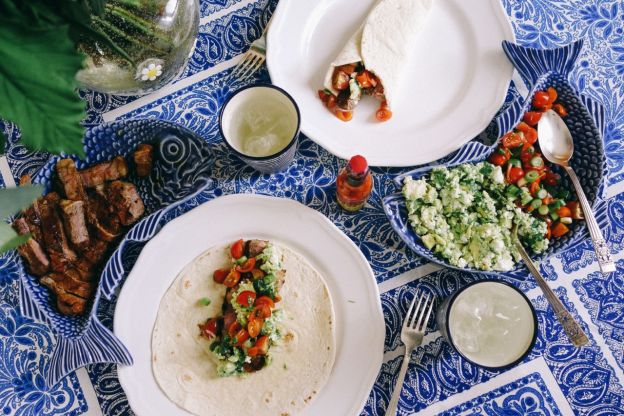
(555, 379)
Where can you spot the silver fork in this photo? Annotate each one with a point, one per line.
(253, 58)
(412, 334)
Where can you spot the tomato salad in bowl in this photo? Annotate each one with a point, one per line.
(530, 178)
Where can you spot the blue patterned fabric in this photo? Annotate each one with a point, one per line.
(555, 379)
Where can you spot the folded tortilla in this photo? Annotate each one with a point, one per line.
(186, 371)
(384, 42)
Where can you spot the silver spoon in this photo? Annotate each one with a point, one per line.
(557, 146)
(572, 329)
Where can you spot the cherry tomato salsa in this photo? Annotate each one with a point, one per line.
(242, 335)
(351, 81)
(536, 187)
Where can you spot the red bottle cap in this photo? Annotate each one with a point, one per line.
(358, 165)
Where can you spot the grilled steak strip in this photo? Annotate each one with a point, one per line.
(31, 251)
(105, 171)
(33, 219)
(68, 282)
(73, 214)
(126, 201)
(101, 215)
(143, 157)
(256, 247)
(70, 180)
(53, 234)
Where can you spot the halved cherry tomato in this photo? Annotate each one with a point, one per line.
(530, 134)
(500, 156)
(232, 278)
(277, 298)
(532, 117)
(561, 110)
(541, 100)
(210, 328)
(564, 212)
(241, 336)
(261, 311)
(233, 329)
(261, 347)
(246, 298)
(220, 275)
(340, 80)
(262, 344)
(547, 201)
(575, 209)
(347, 68)
(254, 326)
(366, 79)
(559, 229)
(331, 102)
(552, 94)
(383, 114)
(534, 187)
(237, 249)
(323, 95)
(551, 179)
(343, 115)
(264, 300)
(514, 174)
(512, 140)
(247, 266)
(257, 274)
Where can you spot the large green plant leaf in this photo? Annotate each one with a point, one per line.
(14, 199)
(38, 87)
(9, 239)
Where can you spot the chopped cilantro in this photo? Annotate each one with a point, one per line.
(204, 302)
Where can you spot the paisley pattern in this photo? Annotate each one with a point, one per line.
(589, 379)
(526, 396)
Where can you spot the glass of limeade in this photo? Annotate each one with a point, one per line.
(490, 323)
(260, 124)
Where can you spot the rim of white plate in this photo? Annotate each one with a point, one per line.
(345, 311)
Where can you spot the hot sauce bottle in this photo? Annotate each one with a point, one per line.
(354, 184)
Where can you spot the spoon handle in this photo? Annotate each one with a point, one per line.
(605, 261)
(572, 329)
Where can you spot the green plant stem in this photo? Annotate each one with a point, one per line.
(134, 21)
(117, 32)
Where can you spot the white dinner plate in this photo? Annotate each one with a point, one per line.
(359, 328)
(455, 82)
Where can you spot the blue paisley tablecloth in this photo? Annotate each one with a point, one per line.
(555, 379)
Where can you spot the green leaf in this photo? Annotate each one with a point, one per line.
(9, 239)
(38, 86)
(14, 199)
(97, 6)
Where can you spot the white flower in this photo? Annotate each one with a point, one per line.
(152, 72)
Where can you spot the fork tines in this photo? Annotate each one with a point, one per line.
(418, 320)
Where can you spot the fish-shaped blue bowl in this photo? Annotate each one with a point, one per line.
(539, 68)
(181, 169)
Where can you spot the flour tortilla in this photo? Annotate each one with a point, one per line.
(187, 373)
(384, 42)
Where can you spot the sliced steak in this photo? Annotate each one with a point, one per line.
(70, 180)
(101, 215)
(53, 234)
(73, 214)
(105, 171)
(69, 304)
(33, 219)
(126, 201)
(143, 158)
(95, 251)
(31, 251)
(68, 282)
(256, 247)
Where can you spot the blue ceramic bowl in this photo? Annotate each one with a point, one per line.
(181, 169)
(539, 69)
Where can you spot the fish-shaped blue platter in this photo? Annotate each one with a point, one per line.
(181, 169)
(539, 68)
